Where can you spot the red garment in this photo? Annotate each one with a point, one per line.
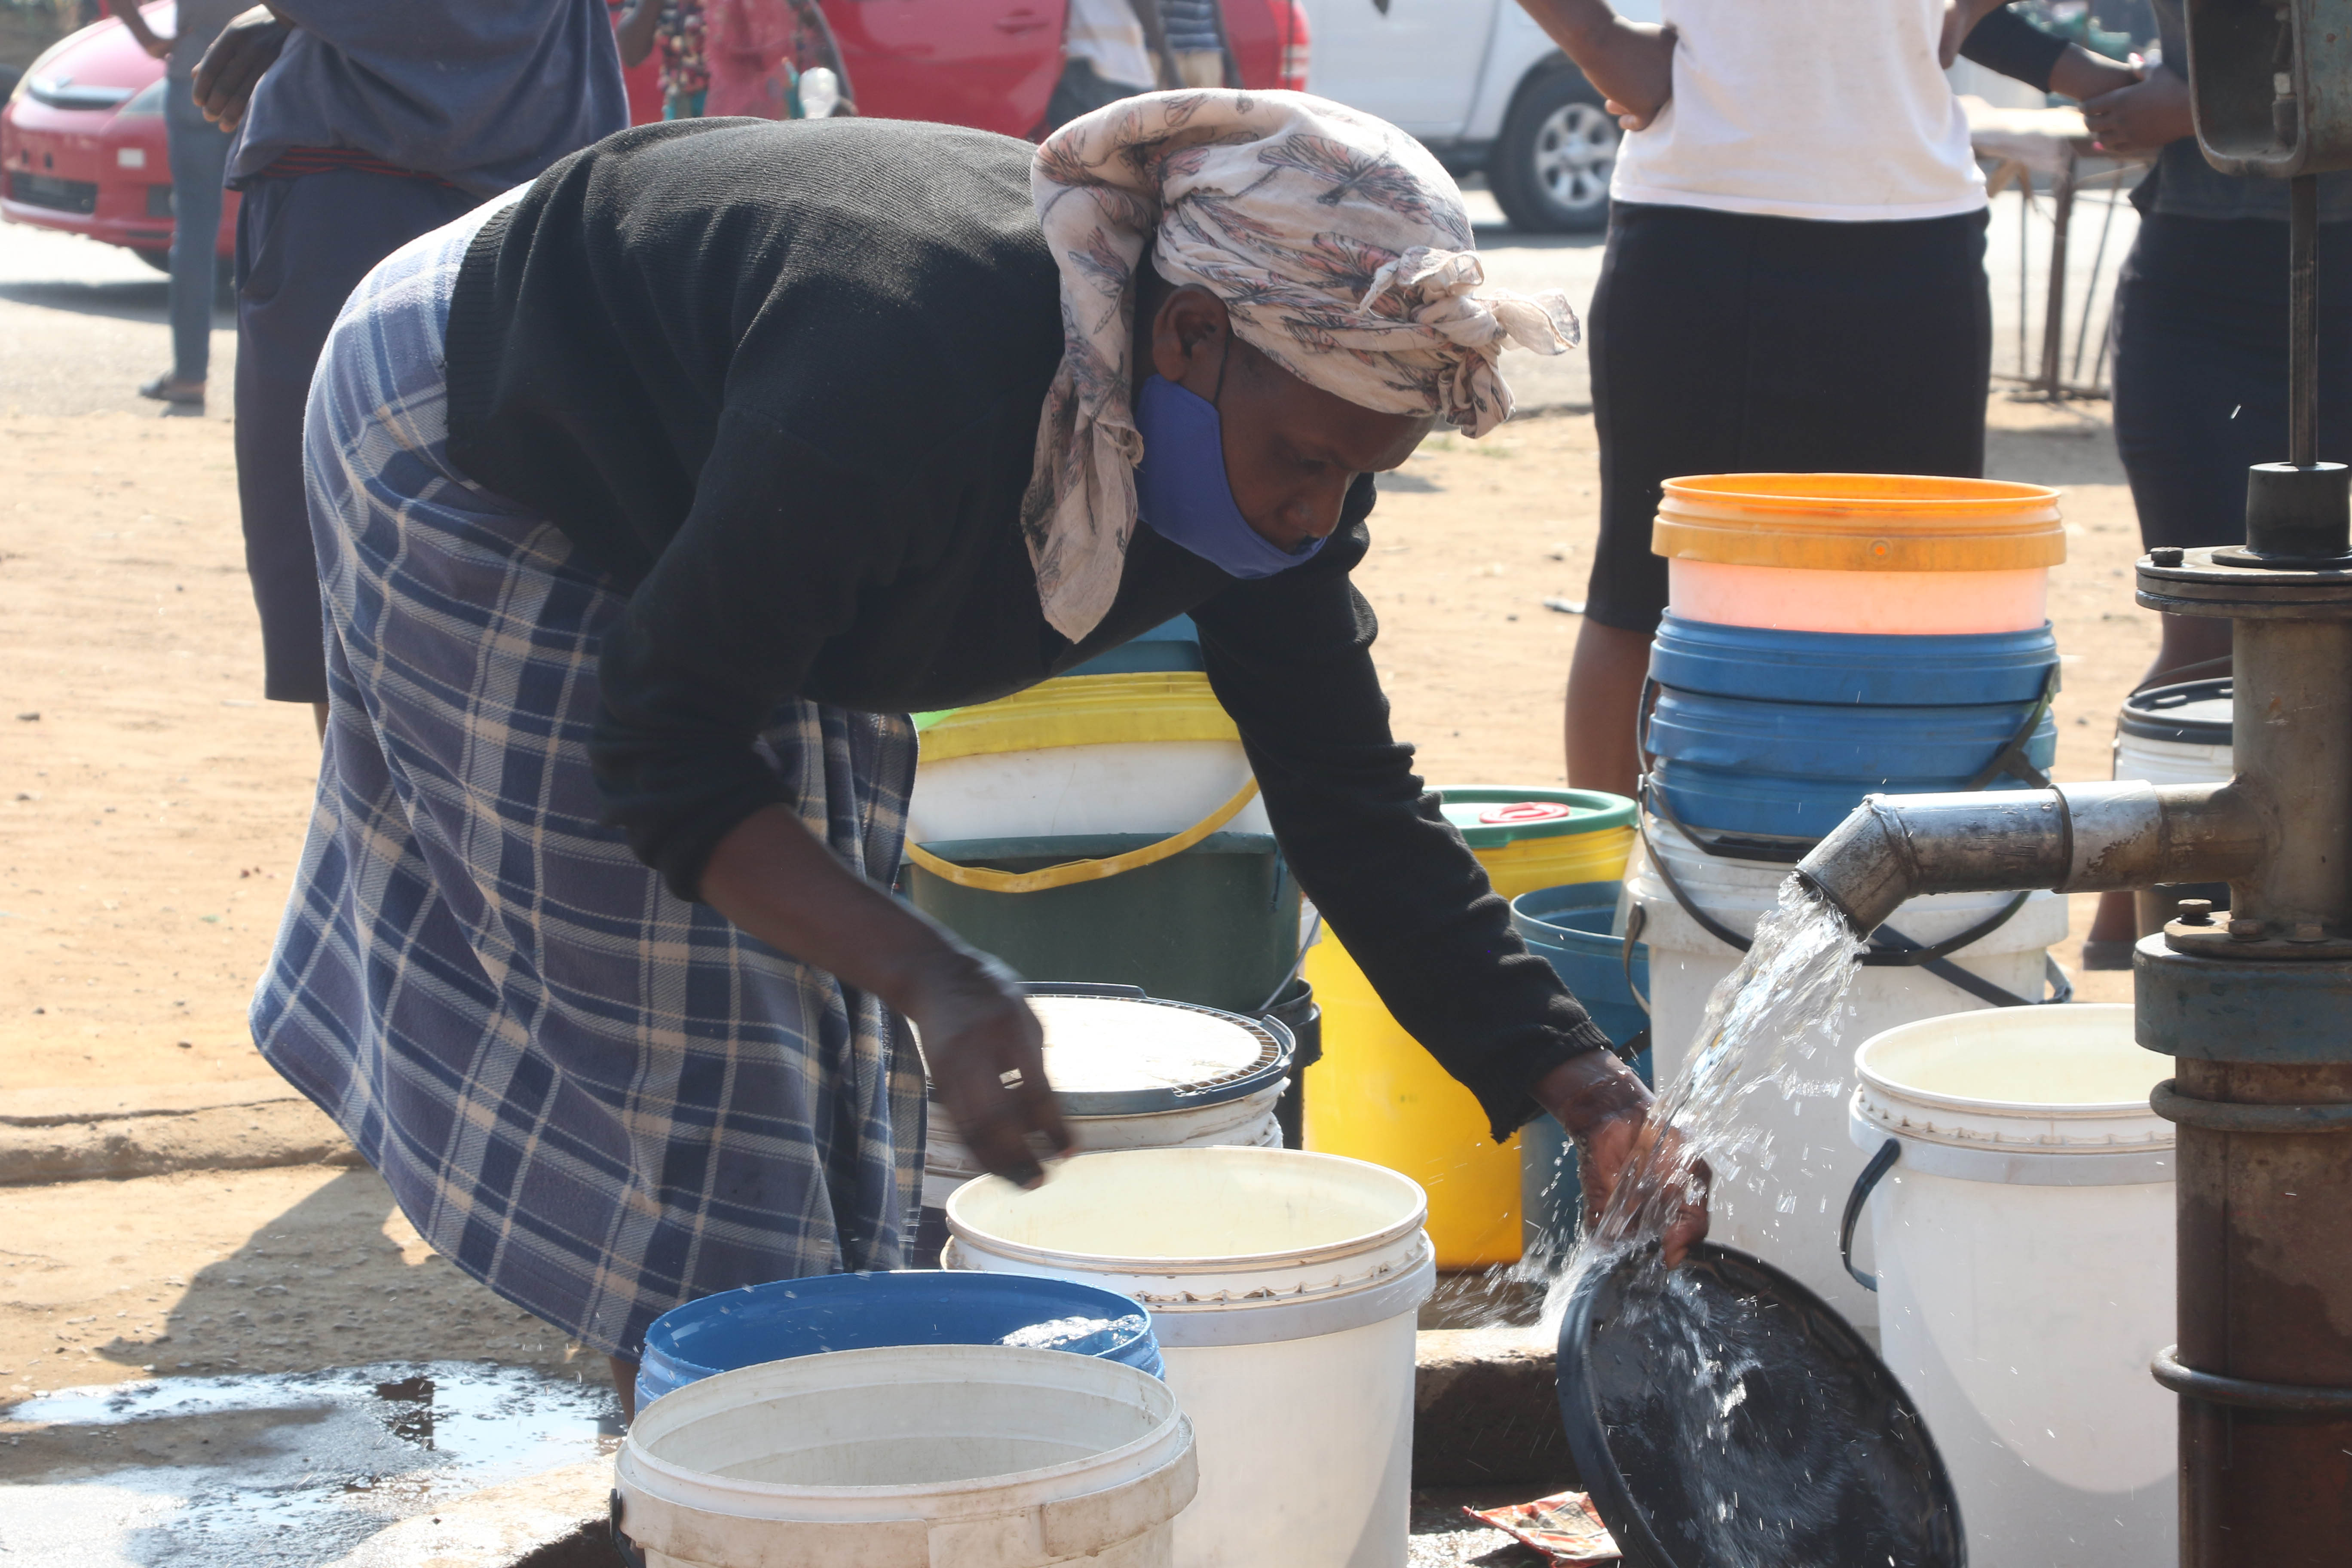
(749, 46)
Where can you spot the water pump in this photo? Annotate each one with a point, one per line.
(2255, 1002)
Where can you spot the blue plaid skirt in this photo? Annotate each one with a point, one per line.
(596, 1098)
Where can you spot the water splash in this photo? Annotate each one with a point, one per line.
(1064, 1334)
(1771, 1027)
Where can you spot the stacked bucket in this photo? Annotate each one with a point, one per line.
(1830, 637)
(1036, 1400)
(1105, 826)
(1378, 1095)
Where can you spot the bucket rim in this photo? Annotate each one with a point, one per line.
(1870, 1078)
(1170, 1422)
(1594, 811)
(1228, 1263)
(844, 1284)
(1835, 491)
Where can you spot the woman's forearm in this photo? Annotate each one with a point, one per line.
(1631, 63)
(635, 32)
(772, 877)
(981, 1045)
(1573, 24)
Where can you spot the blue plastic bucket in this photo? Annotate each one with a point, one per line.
(868, 1311)
(1568, 928)
(1170, 645)
(1794, 770)
(1844, 668)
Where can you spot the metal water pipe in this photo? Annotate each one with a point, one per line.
(2254, 1002)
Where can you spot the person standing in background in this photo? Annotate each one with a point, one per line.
(198, 154)
(1196, 42)
(1106, 55)
(675, 27)
(2201, 387)
(1794, 279)
(360, 126)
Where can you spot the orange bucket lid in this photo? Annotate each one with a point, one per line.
(1860, 523)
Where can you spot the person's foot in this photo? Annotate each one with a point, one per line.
(171, 389)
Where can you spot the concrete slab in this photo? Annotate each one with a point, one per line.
(1486, 1412)
(249, 1134)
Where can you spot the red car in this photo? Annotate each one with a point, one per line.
(81, 141)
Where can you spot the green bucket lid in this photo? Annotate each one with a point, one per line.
(1491, 816)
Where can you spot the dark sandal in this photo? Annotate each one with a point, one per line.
(162, 390)
(2108, 956)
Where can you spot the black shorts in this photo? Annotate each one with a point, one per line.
(302, 245)
(2200, 368)
(1727, 343)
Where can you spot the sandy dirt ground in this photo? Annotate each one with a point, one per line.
(154, 809)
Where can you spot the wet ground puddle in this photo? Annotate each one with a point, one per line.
(264, 1470)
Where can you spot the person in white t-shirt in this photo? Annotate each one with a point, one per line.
(1105, 57)
(1794, 279)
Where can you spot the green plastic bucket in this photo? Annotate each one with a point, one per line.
(1216, 925)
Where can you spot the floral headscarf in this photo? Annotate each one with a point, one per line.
(1340, 247)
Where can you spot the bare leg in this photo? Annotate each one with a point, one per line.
(2188, 640)
(319, 713)
(1604, 698)
(625, 1384)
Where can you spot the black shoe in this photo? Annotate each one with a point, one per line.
(2110, 955)
(169, 389)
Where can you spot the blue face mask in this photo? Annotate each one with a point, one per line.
(1181, 486)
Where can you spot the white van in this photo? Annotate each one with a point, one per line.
(1484, 87)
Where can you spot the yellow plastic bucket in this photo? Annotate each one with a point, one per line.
(1378, 1096)
(1889, 553)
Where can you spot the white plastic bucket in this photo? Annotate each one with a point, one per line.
(1137, 1072)
(1128, 786)
(1283, 1287)
(1788, 1214)
(2025, 1274)
(916, 1457)
(1248, 1122)
(2172, 763)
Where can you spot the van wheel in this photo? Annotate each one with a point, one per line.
(1550, 167)
(160, 261)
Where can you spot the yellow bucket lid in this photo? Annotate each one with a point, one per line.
(1860, 523)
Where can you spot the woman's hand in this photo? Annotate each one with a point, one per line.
(2142, 119)
(776, 880)
(1606, 1109)
(986, 1054)
(246, 48)
(127, 12)
(2083, 76)
(1631, 63)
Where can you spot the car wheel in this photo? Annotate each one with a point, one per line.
(1550, 168)
(160, 261)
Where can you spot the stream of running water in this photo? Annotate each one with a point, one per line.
(1772, 1027)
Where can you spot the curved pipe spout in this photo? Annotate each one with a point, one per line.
(2076, 839)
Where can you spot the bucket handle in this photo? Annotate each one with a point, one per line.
(1074, 871)
(1880, 1164)
(631, 1555)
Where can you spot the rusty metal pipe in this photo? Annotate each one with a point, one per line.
(2077, 838)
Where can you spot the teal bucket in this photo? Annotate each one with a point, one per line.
(1568, 928)
(1216, 925)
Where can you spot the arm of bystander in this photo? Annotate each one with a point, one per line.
(1631, 62)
